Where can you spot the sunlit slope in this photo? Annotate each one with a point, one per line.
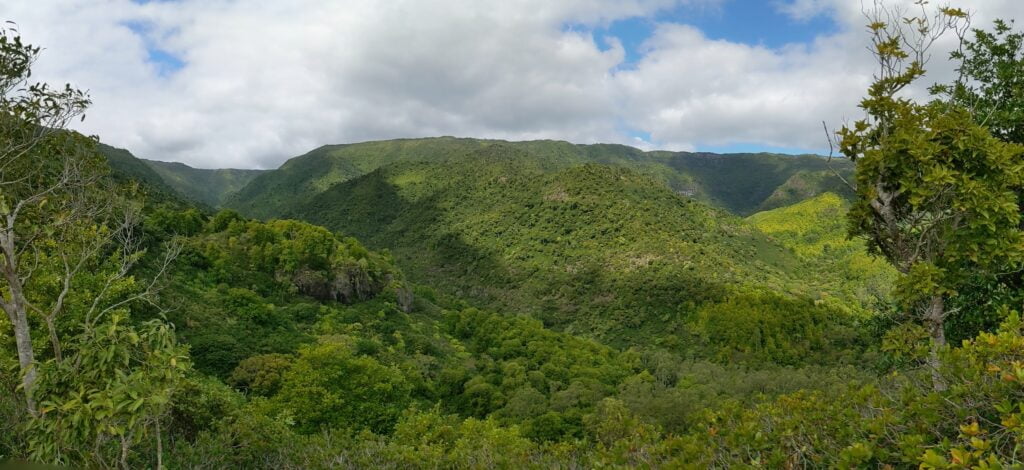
(815, 230)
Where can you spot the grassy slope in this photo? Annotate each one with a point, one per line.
(738, 182)
(592, 249)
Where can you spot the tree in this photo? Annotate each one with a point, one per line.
(991, 80)
(991, 85)
(112, 392)
(69, 239)
(43, 173)
(329, 387)
(936, 192)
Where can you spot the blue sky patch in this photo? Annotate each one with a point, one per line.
(165, 62)
(751, 22)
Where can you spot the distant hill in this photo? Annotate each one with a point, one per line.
(740, 183)
(602, 240)
(210, 187)
(593, 249)
(126, 166)
(207, 187)
(806, 184)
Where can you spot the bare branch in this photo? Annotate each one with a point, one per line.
(831, 152)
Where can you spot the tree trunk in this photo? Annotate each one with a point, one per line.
(54, 340)
(26, 356)
(935, 317)
(159, 447)
(17, 312)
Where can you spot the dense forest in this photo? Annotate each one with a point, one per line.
(467, 303)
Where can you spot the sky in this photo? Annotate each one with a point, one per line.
(251, 83)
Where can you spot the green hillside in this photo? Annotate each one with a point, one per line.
(805, 185)
(126, 166)
(280, 344)
(594, 249)
(206, 187)
(747, 182)
(282, 331)
(210, 187)
(816, 231)
(740, 183)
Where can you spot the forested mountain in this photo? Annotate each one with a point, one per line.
(210, 187)
(127, 167)
(462, 303)
(594, 249)
(740, 183)
(306, 349)
(207, 187)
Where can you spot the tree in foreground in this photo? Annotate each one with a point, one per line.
(936, 192)
(68, 244)
(991, 80)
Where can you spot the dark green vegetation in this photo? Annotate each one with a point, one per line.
(492, 305)
(740, 183)
(127, 168)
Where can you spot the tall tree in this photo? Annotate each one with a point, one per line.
(936, 192)
(42, 168)
(990, 84)
(58, 216)
(991, 80)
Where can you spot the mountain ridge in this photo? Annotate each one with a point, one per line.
(592, 249)
(699, 174)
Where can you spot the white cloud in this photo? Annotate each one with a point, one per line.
(690, 90)
(268, 79)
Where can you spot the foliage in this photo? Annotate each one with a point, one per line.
(805, 185)
(329, 387)
(937, 194)
(261, 375)
(761, 327)
(109, 395)
(901, 423)
(816, 231)
(990, 83)
(246, 288)
(989, 86)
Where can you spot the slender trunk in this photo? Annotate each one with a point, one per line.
(54, 340)
(23, 343)
(124, 452)
(17, 312)
(26, 359)
(159, 447)
(935, 318)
